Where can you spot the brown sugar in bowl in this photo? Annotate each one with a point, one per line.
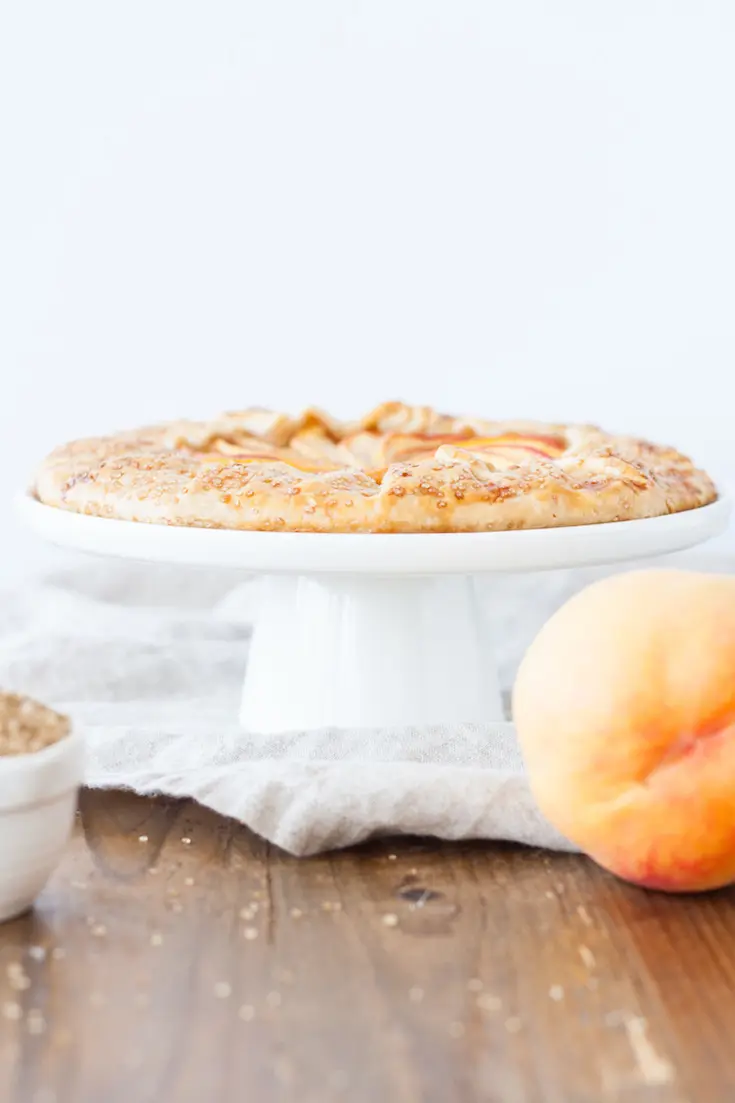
(41, 767)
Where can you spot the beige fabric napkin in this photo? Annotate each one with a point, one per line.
(149, 661)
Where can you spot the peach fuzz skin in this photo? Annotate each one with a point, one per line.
(625, 711)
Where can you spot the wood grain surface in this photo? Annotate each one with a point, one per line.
(176, 957)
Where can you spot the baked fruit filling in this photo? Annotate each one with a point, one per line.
(370, 451)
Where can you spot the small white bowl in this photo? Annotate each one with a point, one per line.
(38, 798)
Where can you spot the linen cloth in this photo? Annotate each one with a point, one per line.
(149, 661)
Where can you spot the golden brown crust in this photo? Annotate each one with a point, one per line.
(399, 469)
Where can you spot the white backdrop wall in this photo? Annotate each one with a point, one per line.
(515, 208)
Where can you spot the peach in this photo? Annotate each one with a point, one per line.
(625, 711)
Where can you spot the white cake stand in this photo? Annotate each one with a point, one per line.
(373, 630)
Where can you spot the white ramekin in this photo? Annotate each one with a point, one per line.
(38, 798)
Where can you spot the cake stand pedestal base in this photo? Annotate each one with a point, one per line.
(344, 652)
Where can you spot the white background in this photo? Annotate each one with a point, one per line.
(510, 208)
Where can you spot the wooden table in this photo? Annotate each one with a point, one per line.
(177, 957)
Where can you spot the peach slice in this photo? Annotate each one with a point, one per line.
(625, 711)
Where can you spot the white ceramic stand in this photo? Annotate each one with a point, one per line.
(374, 630)
(342, 651)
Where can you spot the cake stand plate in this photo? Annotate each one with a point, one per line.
(372, 630)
